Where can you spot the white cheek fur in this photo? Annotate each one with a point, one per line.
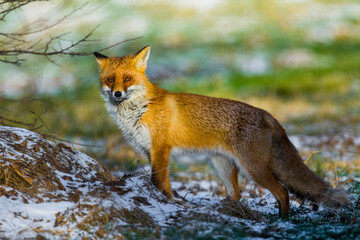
(105, 90)
(127, 115)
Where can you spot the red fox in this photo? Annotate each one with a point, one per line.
(156, 122)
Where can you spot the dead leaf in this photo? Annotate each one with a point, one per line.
(143, 200)
(36, 148)
(59, 219)
(100, 232)
(62, 145)
(24, 144)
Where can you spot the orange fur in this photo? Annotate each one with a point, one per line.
(239, 136)
(235, 182)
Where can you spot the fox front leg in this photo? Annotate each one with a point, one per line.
(160, 169)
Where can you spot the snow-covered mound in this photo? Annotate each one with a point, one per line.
(53, 190)
(33, 164)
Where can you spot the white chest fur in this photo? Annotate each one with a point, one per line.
(127, 115)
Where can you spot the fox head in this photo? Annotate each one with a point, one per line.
(123, 78)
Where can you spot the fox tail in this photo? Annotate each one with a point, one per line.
(289, 168)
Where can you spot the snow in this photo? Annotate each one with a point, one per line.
(341, 146)
(19, 219)
(23, 216)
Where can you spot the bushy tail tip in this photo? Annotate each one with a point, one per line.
(336, 198)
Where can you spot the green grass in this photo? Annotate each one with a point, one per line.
(330, 89)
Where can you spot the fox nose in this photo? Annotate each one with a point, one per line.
(117, 94)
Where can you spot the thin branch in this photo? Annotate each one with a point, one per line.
(118, 43)
(40, 119)
(13, 45)
(13, 5)
(68, 141)
(60, 51)
(46, 27)
(16, 62)
(3, 120)
(54, 52)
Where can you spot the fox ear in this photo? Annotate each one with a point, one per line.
(141, 58)
(100, 59)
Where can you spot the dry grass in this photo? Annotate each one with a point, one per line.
(32, 168)
(239, 210)
(35, 169)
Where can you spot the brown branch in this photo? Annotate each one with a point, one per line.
(16, 62)
(3, 120)
(14, 45)
(60, 50)
(118, 43)
(43, 51)
(44, 28)
(40, 119)
(53, 136)
(13, 5)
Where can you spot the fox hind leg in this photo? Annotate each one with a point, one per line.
(265, 178)
(228, 173)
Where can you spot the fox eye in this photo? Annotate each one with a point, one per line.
(111, 80)
(127, 79)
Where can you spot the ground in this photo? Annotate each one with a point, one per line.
(52, 190)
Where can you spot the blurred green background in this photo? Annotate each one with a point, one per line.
(298, 59)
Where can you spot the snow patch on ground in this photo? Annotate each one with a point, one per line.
(343, 146)
(85, 196)
(82, 193)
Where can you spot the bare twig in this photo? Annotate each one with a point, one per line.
(15, 45)
(44, 51)
(54, 137)
(40, 119)
(12, 5)
(4, 120)
(60, 20)
(118, 43)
